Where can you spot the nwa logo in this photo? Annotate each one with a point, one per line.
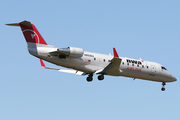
(31, 36)
(134, 62)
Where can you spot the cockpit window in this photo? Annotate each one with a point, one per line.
(163, 68)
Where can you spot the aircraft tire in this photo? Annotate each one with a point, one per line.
(163, 89)
(100, 77)
(89, 79)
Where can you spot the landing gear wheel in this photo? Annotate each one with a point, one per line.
(89, 78)
(100, 77)
(163, 89)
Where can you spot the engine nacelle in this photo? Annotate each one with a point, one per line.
(71, 52)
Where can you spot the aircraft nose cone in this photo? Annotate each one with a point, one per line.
(173, 78)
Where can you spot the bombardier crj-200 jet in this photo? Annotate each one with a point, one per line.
(88, 63)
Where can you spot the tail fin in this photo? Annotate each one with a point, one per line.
(30, 32)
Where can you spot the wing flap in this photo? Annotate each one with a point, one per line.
(72, 71)
(63, 70)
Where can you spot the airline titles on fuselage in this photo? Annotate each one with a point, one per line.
(134, 69)
(134, 61)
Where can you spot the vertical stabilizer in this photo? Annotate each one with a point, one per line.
(30, 33)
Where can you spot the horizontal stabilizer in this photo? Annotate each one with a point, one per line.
(24, 23)
(13, 24)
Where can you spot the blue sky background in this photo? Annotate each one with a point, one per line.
(137, 29)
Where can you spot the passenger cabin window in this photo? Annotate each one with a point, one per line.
(104, 60)
(163, 68)
(123, 63)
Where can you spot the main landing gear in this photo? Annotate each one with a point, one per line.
(163, 84)
(101, 77)
(90, 77)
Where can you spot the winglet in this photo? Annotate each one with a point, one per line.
(115, 53)
(42, 63)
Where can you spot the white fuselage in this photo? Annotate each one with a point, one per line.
(88, 63)
(91, 62)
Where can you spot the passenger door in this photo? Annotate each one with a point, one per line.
(153, 70)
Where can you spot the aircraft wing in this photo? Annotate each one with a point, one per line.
(113, 67)
(63, 70)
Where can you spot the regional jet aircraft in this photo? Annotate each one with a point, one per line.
(81, 62)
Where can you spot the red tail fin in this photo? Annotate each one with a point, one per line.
(31, 34)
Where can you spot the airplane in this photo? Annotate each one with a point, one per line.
(80, 62)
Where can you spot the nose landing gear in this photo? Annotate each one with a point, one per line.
(163, 84)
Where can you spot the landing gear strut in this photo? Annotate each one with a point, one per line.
(163, 84)
(89, 78)
(100, 77)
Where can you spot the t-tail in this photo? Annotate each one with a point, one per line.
(36, 44)
(31, 34)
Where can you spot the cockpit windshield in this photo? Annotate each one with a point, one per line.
(163, 68)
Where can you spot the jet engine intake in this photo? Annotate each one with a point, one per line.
(71, 52)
